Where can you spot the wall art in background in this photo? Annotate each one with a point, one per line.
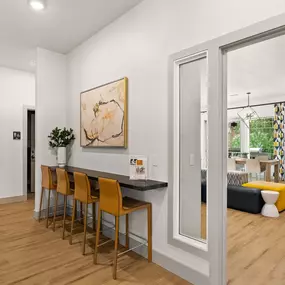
(104, 115)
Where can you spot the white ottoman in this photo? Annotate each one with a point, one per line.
(269, 209)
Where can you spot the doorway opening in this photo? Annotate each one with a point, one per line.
(255, 118)
(29, 152)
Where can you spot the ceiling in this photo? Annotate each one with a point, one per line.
(259, 69)
(60, 28)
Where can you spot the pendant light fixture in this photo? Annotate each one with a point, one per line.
(247, 113)
(37, 5)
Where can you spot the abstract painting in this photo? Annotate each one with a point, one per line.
(104, 115)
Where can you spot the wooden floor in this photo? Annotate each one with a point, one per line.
(30, 254)
(256, 249)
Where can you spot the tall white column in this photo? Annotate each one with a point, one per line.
(244, 137)
(50, 108)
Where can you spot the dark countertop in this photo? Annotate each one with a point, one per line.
(125, 181)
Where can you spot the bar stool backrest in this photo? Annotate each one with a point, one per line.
(46, 177)
(82, 189)
(63, 184)
(110, 196)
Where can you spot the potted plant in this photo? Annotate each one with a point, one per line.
(60, 139)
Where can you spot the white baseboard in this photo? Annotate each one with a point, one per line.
(10, 200)
(179, 269)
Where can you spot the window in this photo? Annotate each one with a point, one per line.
(234, 136)
(262, 133)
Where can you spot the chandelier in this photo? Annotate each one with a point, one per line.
(247, 113)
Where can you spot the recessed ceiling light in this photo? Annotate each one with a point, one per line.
(233, 95)
(37, 5)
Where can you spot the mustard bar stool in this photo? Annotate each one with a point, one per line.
(111, 202)
(47, 184)
(63, 188)
(82, 193)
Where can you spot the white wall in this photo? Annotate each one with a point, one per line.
(51, 107)
(17, 88)
(138, 46)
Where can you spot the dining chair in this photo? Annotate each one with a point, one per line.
(262, 157)
(112, 202)
(253, 166)
(82, 193)
(47, 185)
(63, 188)
(231, 164)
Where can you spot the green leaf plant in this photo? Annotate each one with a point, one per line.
(61, 137)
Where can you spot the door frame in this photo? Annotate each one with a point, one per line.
(216, 255)
(259, 32)
(26, 109)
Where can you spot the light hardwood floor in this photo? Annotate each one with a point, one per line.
(256, 249)
(30, 254)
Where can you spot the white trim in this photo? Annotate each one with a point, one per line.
(180, 269)
(10, 200)
(217, 131)
(194, 246)
(191, 241)
(265, 30)
(200, 244)
(26, 108)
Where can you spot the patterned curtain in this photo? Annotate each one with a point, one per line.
(279, 112)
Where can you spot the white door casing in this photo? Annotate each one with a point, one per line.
(214, 251)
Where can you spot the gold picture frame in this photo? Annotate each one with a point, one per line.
(104, 115)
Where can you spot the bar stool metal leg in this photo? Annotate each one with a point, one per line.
(149, 232)
(116, 249)
(97, 237)
(55, 209)
(48, 208)
(41, 203)
(85, 227)
(76, 208)
(72, 222)
(93, 216)
(64, 216)
(81, 213)
(127, 231)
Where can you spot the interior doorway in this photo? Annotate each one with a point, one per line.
(29, 144)
(255, 119)
(31, 152)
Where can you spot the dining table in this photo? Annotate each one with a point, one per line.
(265, 164)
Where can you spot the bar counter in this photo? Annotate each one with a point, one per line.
(125, 181)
